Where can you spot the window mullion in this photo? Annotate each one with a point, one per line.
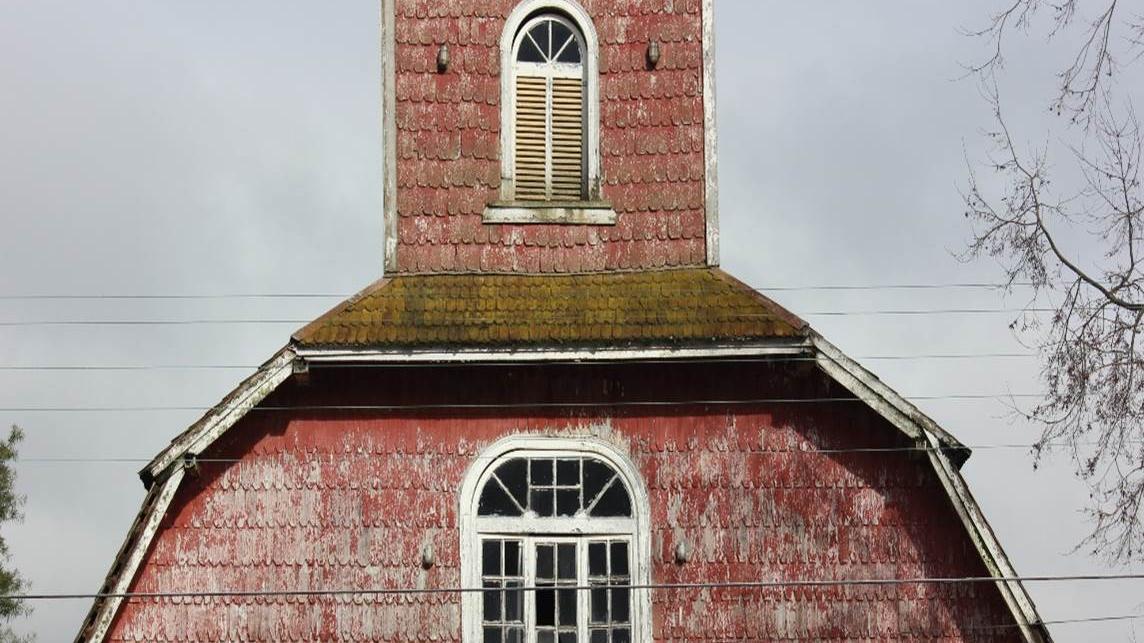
(529, 562)
(582, 595)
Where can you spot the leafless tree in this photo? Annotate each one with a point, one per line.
(1091, 350)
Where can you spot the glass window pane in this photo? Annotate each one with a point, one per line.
(596, 475)
(492, 602)
(542, 503)
(614, 502)
(529, 53)
(621, 635)
(514, 475)
(546, 637)
(492, 635)
(566, 561)
(599, 636)
(542, 471)
(567, 502)
(567, 637)
(490, 557)
(514, 635)
(545, 607)
(619, 559)
(619, 605)
(545, 567)
(599, 607)
(542, 36)
(567, 606)
(568, 472)
(571, 53)
(511, 558)
(597, 559)
(513, 603)
(495, 502)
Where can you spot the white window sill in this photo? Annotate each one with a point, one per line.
(569, 212)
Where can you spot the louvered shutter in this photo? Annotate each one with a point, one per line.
(531, 146)
(567, 139)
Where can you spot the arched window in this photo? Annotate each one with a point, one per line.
(564, 517)
(549, 111)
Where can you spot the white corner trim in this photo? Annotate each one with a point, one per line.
(531, 445)
(216, 422)
(389, 133)
(710, 138)
(108, 608)
(583, 20)
(915, 424)
(550, 213)
(987, 545)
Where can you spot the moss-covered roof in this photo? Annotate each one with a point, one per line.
(662, 308)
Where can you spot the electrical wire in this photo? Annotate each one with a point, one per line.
(328, 295)
(508, 405)
(478, 319)
(407, 591)
(789, 451)
(705, 360)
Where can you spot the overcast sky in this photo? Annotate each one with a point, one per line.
(207, 147)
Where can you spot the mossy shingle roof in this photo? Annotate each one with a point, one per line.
(684, 307)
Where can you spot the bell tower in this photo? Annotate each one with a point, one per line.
(548, 136)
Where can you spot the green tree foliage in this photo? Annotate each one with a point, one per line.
(11, 504)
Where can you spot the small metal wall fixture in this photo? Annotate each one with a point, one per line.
(443, 58)
(682, 552)
(653, 54)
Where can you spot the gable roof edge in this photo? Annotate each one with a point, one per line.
(946, 454)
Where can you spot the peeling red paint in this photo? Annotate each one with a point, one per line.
(346, 499)
(448, 142)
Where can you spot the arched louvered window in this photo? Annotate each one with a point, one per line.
(549, 110)
(567, 523)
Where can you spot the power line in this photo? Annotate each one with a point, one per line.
(763, 359)
(478, 319)
(332, 295)
(512, 405)
(789, 451)
(775, 584)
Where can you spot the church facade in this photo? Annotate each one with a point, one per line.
(555, 419)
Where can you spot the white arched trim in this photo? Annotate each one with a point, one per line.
(543, 446)
(593, 209)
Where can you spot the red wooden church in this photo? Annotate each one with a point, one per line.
(555, 419)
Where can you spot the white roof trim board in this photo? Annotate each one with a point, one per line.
(945, 453)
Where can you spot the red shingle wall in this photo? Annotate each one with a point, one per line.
(345, 500)
(448, 142)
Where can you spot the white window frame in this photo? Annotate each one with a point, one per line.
(582, 529)
(593, 209)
